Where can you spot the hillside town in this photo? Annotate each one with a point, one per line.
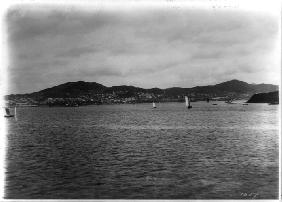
(114, 98)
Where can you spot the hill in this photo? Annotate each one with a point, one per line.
(271, 97)
(94, 91)
(236, 87)
(70, 89)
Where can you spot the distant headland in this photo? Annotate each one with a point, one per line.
(271, 98)
(85, 93)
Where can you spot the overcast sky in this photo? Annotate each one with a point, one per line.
(145, 48)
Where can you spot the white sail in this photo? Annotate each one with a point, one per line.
(15, 112)
(186, 101)
(8, 114)
(154, 105)
(7, 111)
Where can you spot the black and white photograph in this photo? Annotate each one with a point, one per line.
(142, 100)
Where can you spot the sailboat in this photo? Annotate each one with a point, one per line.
(187, 102)
(8, 114)
(154, 105)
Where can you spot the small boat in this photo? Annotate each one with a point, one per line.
(8, 114)
(245, 104)
(214, 104)
(187, 102)
(154, 105)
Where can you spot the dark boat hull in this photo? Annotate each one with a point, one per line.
(8, 116)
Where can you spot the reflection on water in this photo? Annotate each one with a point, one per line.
(134, 151)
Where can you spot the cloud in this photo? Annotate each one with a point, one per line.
(76, 52)
(152, 48)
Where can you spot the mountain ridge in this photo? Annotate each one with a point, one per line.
(81, 89)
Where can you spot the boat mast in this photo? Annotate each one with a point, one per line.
(189, 102)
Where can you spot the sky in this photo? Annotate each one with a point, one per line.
(148, 48)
